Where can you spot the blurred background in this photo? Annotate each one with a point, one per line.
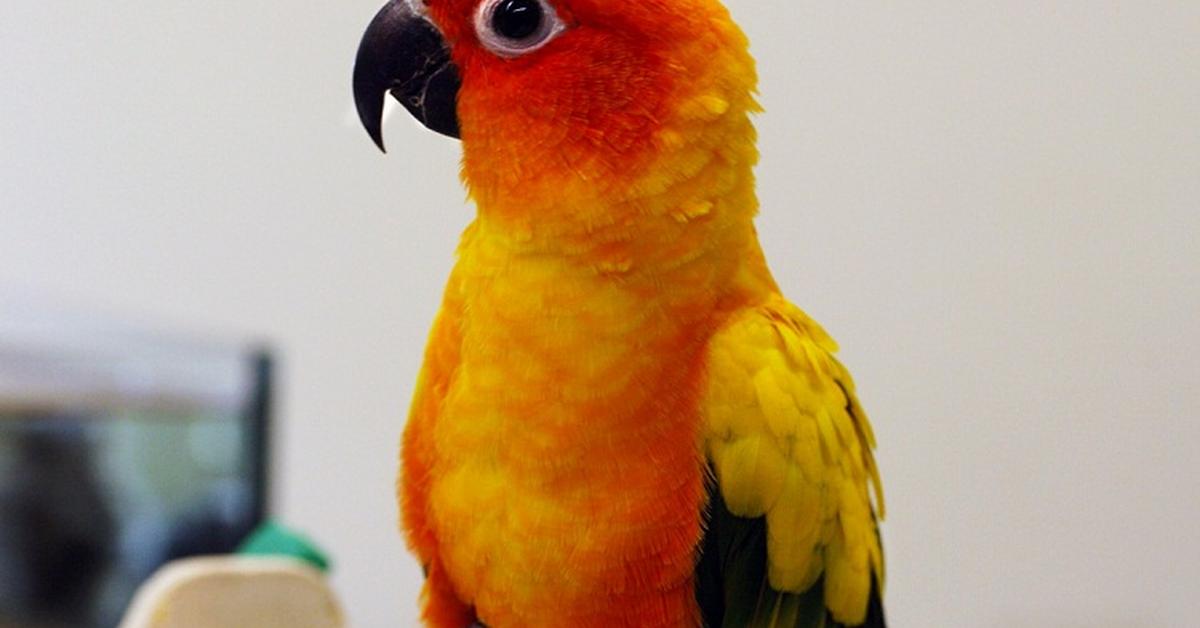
(994, 206)
(120, 450)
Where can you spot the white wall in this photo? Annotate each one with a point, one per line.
(992, 205)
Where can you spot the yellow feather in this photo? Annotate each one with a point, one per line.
(787, 437)
(793, 532)
(752, 475)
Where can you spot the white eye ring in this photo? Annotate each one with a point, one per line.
(549, 28)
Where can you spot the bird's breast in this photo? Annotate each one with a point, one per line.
(567, 446)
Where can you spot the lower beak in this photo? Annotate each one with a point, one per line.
(404, 53)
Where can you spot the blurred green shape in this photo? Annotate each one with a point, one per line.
(274, 539)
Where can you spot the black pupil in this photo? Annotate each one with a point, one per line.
(517, 19)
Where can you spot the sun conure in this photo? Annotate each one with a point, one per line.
(620, 420)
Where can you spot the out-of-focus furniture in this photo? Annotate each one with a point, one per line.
(121, 448)
(235, 592)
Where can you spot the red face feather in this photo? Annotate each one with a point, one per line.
(585, 107)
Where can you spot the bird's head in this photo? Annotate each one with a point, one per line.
(586, 100)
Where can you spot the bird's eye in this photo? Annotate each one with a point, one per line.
(512, 28)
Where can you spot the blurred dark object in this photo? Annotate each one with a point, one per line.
(119, 451)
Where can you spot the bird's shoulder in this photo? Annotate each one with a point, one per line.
(789, 444)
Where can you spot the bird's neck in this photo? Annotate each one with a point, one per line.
(693, 244)
(689, 201)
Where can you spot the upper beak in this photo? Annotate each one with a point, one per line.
(404, 53)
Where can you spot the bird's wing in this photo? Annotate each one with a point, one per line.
(792, 539)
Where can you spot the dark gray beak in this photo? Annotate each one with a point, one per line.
(402, 52)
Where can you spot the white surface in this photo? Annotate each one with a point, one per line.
(992, 205)
(235, 592)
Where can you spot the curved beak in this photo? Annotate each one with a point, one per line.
(402, 52)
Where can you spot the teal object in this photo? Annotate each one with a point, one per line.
(275, 539)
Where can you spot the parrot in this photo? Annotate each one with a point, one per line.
(619, 420)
